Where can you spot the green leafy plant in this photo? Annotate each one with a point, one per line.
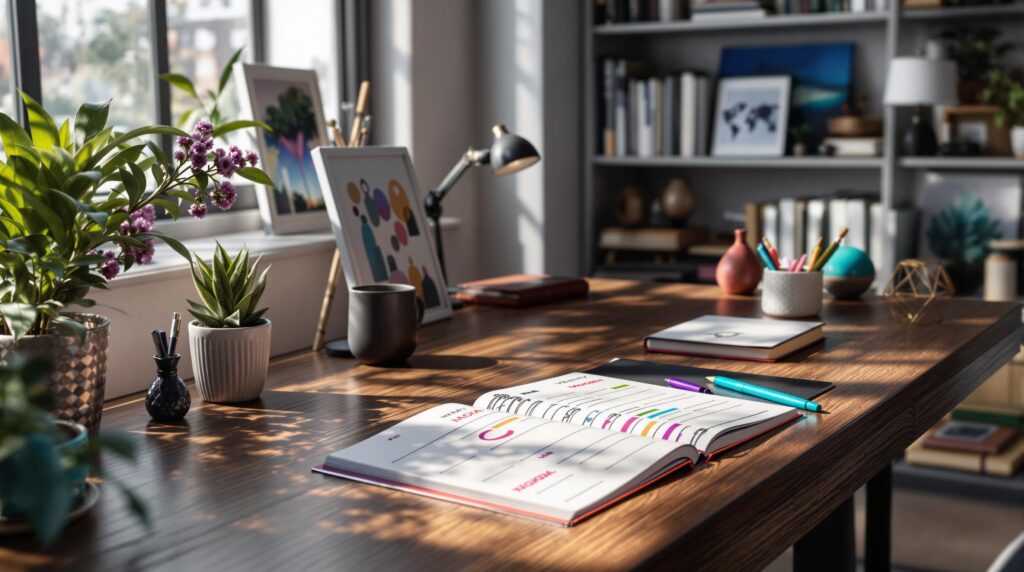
(229, 289)
(1006, 90)
(76, 206)
(209, 106)
(961, 232)
(976, 50)
(37, 475)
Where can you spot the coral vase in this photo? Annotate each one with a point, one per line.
(739, 271)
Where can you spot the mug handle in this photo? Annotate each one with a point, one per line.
(421, 310)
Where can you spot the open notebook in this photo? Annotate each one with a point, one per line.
(556, 450)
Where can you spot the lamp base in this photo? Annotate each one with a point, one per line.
(919, 140)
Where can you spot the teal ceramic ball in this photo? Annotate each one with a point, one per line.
(848, 272)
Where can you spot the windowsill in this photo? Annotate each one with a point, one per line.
(270, 247)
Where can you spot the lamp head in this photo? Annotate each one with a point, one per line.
(510, 153)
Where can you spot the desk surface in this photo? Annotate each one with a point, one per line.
(232, 488)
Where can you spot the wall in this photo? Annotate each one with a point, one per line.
(529, 78)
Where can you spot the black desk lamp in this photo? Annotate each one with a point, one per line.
(508, 154)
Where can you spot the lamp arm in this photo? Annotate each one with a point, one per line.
(432, 202)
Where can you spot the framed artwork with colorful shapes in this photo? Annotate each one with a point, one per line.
(377, 217)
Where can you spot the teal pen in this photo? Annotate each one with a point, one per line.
(763, 393)
(765, 257)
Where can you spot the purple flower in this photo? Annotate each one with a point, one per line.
(220, 152)
(142, 255)
(179, 155)
(224, 195)
(198, 160)
(204, 127)
(197, 210)
(236, 155)
(184, 142)
(141, 220)
(226, 166)
(110, 268)
(252, 158)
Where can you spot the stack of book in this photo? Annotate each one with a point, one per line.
(620, 11)
(982, 440)
(704, 10)
(820, 6)
(794, 225)
(644, 115)
(855, 146)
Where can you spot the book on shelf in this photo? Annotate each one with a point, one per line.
(620, 11)
(855, 146)
(1006, 416)
(970, 436)
(535, 452)
(735, 338)
(1003, 464)
(624, 11)
(653, 239)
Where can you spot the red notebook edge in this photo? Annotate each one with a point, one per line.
(494, 507)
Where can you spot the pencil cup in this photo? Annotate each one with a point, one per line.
(791, 294)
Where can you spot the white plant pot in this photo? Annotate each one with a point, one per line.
(230, 364)
(1017, 141)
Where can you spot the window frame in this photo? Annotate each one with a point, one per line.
(351, 41)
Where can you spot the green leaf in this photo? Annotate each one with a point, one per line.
(20, 318)
(174, 243)
(136, 505)
(65, 135)
(121, 444)
(225, 74)
(183, 119)
(256, 175)
(71, 326)
(42, 126)
(34, 478)
(181, 82)
(234, 319)
(90, 120)
(230, 126)
(14, 137)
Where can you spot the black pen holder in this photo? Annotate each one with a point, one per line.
(167, 398)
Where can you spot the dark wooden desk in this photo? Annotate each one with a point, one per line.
(232, 489)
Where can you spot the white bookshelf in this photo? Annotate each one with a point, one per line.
(723, 185)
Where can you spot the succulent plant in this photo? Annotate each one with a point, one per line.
(961, 232)
(229, 290)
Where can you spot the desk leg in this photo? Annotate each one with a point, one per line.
(828, 547)
(878, 529)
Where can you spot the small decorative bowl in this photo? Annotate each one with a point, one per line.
(848, 273)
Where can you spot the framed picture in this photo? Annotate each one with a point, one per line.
(750, 117)
(822, 78)
(288, 101)
(377, 216)
(977, 124)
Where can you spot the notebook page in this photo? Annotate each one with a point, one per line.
(533, 464)
(642, 409)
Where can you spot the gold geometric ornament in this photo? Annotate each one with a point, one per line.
(915, 289)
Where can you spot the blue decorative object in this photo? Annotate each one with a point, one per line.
(168, 398)
(848, 272)
(822, 75)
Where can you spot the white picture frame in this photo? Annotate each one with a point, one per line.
(296, 204)
(365, 189)
(751, 116)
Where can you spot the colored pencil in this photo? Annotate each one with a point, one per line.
(815, 253)
(820, 263)
(800, 263)
(771, 250)
(766, 258)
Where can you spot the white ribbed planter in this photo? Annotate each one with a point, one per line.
(230, 364)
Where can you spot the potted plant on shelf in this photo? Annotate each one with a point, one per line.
(976, 51)
(960, 235)
(77, 209)
(1006, 90)
(229, 338)
(44, 462)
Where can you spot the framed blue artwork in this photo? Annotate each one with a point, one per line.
(822, 77)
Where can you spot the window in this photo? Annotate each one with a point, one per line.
(94, 51)
(6, 64)
(306, 38)
(201, 36)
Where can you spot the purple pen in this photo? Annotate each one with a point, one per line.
(686, 385)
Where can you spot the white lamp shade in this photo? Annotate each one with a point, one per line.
(921, 81)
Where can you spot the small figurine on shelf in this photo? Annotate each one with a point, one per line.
(167, 398)
(799, 134)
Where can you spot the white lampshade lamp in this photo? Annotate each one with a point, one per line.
(920, 82)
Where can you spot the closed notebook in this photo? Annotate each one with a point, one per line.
(557, 450)
(735, 338)
(970, 436)
(522, 289)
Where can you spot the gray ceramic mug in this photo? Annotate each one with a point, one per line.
(383, 322)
